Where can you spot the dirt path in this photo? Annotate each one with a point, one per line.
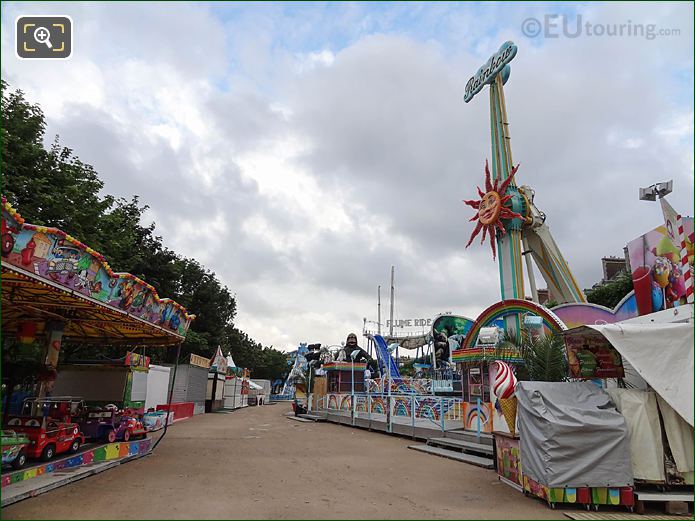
(255, 463)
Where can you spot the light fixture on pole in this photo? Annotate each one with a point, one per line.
(659, 190)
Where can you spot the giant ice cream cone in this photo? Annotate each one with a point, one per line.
(508, 406)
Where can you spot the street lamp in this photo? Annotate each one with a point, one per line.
(308, 398)
(650, 193)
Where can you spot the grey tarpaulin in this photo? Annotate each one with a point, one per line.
(571, 435)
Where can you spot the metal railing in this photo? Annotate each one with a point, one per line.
(397, 412)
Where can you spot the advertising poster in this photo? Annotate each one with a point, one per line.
(592, 356)
(657, 272)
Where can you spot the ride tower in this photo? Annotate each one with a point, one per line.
(506, 213)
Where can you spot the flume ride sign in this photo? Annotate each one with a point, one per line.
(486, 74)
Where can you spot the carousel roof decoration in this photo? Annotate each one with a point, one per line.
(491, 209)
(50, 274)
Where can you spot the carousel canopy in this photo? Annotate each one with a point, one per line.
(47, 275)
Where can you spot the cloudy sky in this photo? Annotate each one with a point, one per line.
(300, 150)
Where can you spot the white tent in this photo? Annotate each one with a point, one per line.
(663, 355)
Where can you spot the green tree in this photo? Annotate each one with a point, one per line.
(53, 187)
(610, 293)
(48, 187)
(544, 357)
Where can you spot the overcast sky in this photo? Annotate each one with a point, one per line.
(300, 150)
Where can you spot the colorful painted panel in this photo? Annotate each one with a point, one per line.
(137, 361)
(59, 258)
(473, 416)
(657, 269)
(590, 356)
(449, 333)
(585, 495)
(344, 366)
(346, 403)
(480, 354)
(401, 407)
(103, 453)
(510, 307)
(509, 459)
(583, 313)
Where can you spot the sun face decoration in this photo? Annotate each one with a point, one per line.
(491, 209)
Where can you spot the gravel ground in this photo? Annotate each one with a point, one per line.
(256, 463)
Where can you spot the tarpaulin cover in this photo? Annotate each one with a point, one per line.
(663, 355)
(680, 438)
(642, 417)
(571, 435)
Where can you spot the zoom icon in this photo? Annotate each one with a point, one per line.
(43, 37)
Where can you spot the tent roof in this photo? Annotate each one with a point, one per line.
(661, 353)
(254, 385)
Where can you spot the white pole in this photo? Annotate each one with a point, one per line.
(529, 270)
(391, 324)
(378, 308)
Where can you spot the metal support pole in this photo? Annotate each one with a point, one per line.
(529, 269)
(171, 395)
(478, 404)
(352, 390)
(441, 412)
(412, 412)
(388, 400)
(308, 397)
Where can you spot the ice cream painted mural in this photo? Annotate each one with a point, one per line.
(658, 273)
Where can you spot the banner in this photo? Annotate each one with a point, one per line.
(658, 273)
(137, 361)
(590, 356)
(199, 361)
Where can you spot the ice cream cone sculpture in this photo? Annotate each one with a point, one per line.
(509, 411)
(503, 388)
(504, 382)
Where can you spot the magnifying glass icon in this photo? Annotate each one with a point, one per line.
(43, 35)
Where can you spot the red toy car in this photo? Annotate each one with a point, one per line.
(48, 435)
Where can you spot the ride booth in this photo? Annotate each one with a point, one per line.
(340, 376)
(119, 382)
(481, 414)
(342, 380)
(214, 397)
(236, 387)
(188, 386)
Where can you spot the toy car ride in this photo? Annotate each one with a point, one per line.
(48, 425)
(109, 424)
(14, 449)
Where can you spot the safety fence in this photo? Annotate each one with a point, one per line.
(394, 412)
